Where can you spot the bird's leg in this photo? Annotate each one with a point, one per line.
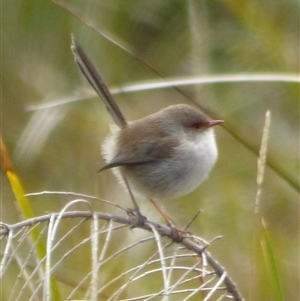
(136, 210)
(162, 212)
(176, 232)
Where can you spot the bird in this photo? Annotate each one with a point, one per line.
(165, 155)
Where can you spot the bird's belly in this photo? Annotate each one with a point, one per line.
(177, 176)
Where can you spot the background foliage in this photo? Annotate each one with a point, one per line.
(57, 147)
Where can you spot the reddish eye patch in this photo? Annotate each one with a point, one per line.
(197, 125)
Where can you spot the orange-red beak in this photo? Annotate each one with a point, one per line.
(214, 122)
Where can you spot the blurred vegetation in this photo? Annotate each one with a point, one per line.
(58, 148)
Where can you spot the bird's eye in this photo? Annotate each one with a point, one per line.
(197, 125)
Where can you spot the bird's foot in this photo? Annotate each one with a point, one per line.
(136, 217)
(177, 234)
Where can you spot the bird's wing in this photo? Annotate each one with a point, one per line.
(146, 152)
